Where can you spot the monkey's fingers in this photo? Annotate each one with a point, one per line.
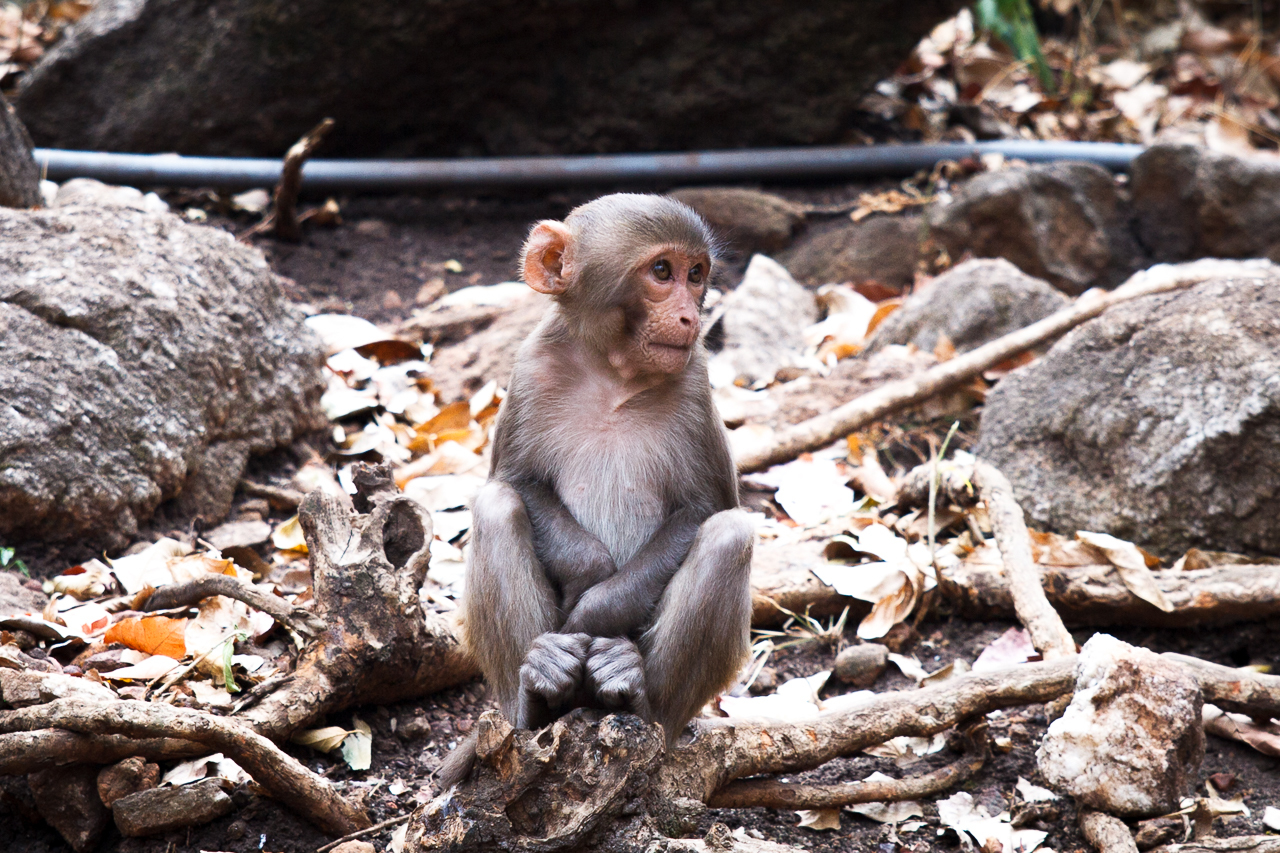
(615, 674)
(553, 667)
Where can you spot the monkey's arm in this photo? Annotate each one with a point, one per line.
(574, 559)
(623, 603)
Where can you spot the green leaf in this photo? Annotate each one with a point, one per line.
(1011, 22)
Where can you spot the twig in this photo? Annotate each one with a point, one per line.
(1241, 690)
(1107, 834)
(287, 780)
(892, 397)
(1050, 637)
(1239, 844)
(278, 498)
(287, 226)
(193, 592)
(376, 828)
(770, 793)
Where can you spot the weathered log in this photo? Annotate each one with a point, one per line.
(379, 646)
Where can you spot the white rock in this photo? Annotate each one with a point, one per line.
(1130, 742)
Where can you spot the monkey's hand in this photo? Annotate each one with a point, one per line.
(615, 674)
(552, 671)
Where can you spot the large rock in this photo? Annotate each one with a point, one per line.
(461, 77)
(67, 798)
(1131, 741)
(973, 303)
(1062, 222)
(141, 359)
(1158, 421)
(748, 221)
(881, 250)
(1190, 202)
(761, 328)
(19, 174)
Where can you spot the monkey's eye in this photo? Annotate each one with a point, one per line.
(695, 274)
(662, 270)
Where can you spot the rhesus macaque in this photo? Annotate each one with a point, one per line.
(609, 564)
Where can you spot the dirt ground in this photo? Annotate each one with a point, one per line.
(374, 265)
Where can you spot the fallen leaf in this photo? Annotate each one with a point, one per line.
(325, 739)
(819, 819)
(888, 812)
(288, 536)
(148, 670)
(149, 567)
(155, 635)
(1131, 564)
(1033, 793)
(1010, 648)
(357, 747)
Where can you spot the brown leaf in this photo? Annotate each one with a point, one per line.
(155, 635)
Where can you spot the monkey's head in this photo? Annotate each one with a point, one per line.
(629, 272)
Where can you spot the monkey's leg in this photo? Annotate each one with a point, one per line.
(702, 631)
(508, 602)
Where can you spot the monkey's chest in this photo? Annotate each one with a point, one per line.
(616, 486)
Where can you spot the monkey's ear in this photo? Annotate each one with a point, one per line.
(546, 257)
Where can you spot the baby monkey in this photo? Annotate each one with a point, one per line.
(609, 562)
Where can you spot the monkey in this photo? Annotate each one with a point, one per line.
(609, 563)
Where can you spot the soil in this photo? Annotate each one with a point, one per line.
(374, 264)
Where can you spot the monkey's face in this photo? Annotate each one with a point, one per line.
(663, 324)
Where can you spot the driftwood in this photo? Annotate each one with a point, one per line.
(609, 780)
(284, 776)
(378, 646)
(893, 397)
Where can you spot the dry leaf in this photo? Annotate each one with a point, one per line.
(325, 739)
(147, 670)
(357, 747)
(149, 567)
(1132, 565)
(155, 635)
(1263, 738)
(288, 536)
(1009, 649)
(818, 819)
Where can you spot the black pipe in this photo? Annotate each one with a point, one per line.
(172, 170)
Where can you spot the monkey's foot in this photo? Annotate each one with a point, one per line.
(553, 667)
(615, 674)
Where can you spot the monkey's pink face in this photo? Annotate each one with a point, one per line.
(671, 283)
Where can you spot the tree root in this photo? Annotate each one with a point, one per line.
(296, 619)
(287, 780)
(378, 645)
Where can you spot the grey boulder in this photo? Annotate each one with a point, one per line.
(971, 304)
(1158, 422)
(1063, 222)
(142, 360)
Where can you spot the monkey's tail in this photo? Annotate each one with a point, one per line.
(458, 764)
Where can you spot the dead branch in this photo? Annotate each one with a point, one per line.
(379, 646)
(281, 499)
(1095, 596)
(893, 397)
(364, 833)
(193, 592)
(1106, 833)
(1239, 844)
(24, 752)
(1241, 690)
(287, 226)
(770, 793)
(1048, 634)
(287, 780)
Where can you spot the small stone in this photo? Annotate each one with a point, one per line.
(236, 830)
(126, 777)
(354, 847)
(861, 665)
(238, 534)
(1131, 741)
(159, 810)
(766, 681)
(67, 798)
(1157, 831)
(413, 728)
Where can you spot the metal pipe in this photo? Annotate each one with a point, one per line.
(692, 167)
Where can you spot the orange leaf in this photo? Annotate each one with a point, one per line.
(884, 309)
(452, 416)
(155, 635)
